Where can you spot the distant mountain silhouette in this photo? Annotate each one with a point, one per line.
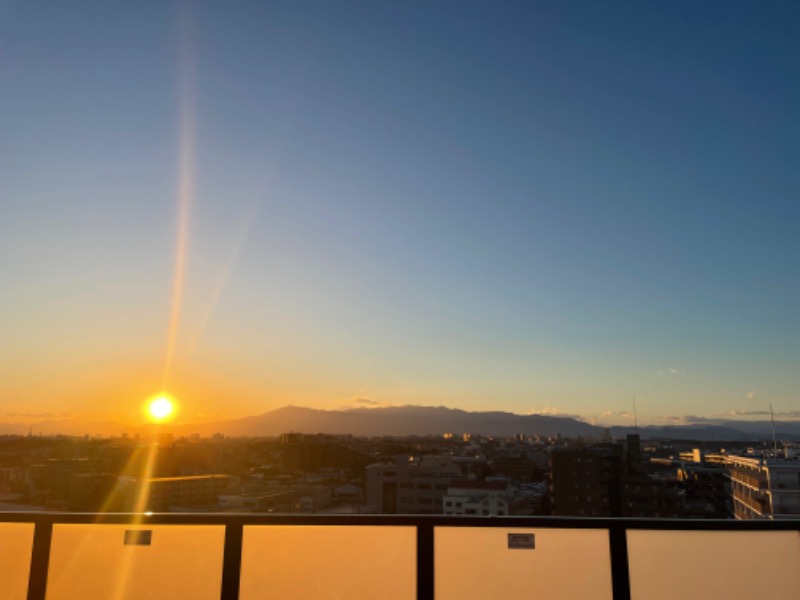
(421, 421)
(396, 420)
(723, 431)
(430, 420)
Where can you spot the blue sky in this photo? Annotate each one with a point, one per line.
(528, 206)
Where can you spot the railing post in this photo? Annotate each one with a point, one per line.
(232, 561)
(620, 575)
(40, 559)
(425, 562)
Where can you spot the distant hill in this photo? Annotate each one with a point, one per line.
(422, 421)
(399, 421)
(718, 431)
(430, 420)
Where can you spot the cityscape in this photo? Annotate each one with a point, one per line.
(453, 473)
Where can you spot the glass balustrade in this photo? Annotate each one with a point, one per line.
(127, 562)
(484, 562)
(175, 559)
(16, 543)
(328, 562)
(697, 565)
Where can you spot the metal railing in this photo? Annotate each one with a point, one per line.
(425, 527)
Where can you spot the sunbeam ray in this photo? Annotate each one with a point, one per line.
(187, 77)
(214, 300)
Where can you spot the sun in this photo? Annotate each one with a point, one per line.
(161, 408)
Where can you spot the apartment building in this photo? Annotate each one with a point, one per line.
(764, 488)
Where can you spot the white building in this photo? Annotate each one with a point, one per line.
(478, 498)
(764, 488)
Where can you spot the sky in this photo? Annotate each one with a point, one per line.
(526, 206)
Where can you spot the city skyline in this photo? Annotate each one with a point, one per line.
(531, 208)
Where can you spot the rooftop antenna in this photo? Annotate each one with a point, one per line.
(774, 437)
(635, 417)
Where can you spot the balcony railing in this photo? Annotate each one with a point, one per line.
(54, 556)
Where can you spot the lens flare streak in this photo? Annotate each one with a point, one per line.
(242, 240)
(185, 188)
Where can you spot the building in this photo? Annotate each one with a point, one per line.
(706, 490)
(764, 488)
(477, 498)
(587, 481)
(610, 480)
(411, 486)
(192, 491)
(519, 468)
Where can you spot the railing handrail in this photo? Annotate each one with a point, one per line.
(554, 522)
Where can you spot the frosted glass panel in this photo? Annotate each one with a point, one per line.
(352, 563)
(695, 565)
(16, 543)
(93, 561)
(476, 563)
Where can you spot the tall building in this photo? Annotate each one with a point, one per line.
(764, 488)
(587, 482)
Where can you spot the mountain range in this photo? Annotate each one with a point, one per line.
(421, 421)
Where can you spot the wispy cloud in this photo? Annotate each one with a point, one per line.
(39, 415)
(669, 371)
(687, 419)
(791, 414)
(672, 419)
(545, 410)
(554, 411)
(364, 402)
(624, 414)
(732, 415)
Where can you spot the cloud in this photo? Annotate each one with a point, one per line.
(668, 371)
(366, 402)
(363, 401)
(622, 413)
(672, 419)
(41, 415)
(747, 413)
(721, 418)
(546, 410)
(792, 414)
(691, 419)
(554, 411)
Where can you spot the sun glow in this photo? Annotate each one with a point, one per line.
(160, 408)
